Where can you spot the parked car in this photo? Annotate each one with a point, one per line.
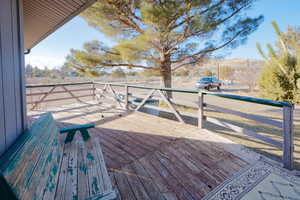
(208, 83)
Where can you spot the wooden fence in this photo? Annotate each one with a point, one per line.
(287, 145)
(108, 90)
(58, 92)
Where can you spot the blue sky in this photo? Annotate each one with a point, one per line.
(52, 51)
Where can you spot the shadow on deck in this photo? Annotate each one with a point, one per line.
(153, 158)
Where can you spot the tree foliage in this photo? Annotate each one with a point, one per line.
(163, 36)
(280, 79)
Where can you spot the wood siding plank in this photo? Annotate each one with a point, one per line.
(12, 120)
(8, 76)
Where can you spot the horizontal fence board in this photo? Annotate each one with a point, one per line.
(250, 99)
(218, 94)
(260, 119)
(57, 84)
(60, 99)
(248, 132)
(59, 92)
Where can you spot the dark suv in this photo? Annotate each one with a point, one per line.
(208, 83)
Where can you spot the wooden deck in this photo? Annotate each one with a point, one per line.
(153, 158)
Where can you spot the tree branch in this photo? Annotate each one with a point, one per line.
(189, 63)
(119, 65)
(201, 13)
(206, 51)
(127, 65)
(185, 36)
(130, 23)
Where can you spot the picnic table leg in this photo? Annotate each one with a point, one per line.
(85, 134)
(70, 136)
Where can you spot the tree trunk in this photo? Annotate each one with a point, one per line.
(166, 79)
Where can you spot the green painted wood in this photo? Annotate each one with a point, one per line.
(85, 134)
(26, 166)
(76, 128)
(29, 165)
(39, 163)
(5, 190)
(110, 195)
(25, 140)
(251, 99)
(9, 154)
(70, 136)
(71, 131)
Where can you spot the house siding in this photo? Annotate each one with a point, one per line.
(12, 101)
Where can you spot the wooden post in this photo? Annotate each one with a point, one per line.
(200, 110)
(94, 91)
(288, 143)
(168, 102)
(145, 99)
(43, 98)
(126, 97)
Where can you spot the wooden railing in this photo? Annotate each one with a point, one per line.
(287, 145)
(124, 97)
(60, 92)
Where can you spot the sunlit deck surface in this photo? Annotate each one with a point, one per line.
(154, 158)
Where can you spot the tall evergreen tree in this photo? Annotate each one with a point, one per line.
(162, 35)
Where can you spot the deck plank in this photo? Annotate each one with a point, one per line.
(147, 157)
(146, 180)
(71, 180)
(135, 183)
(82, 172)
(123, 186)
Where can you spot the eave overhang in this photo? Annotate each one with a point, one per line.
(43, 17)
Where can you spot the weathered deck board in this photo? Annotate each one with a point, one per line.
(149, 157)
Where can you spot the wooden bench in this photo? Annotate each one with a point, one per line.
(43, 164)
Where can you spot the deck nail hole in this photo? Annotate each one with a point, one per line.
(209, 186)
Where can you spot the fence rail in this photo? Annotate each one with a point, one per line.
(107, 90)
(287, 145)
(51, 90)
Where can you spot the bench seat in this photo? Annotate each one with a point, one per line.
(41, 165)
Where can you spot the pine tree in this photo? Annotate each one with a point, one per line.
(280, 79)
(163, 35)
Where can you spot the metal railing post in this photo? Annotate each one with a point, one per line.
(288, 135)
(200, 110)
(126, 97)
